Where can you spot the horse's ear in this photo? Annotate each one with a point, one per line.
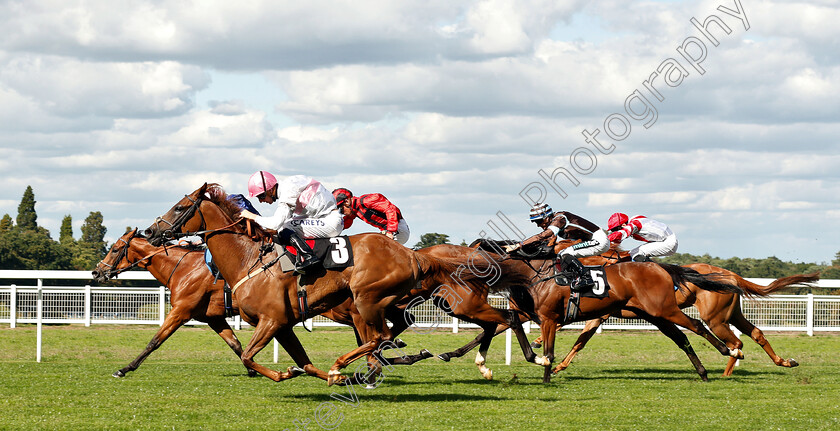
(202, 191)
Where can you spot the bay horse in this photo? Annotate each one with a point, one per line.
(194, 293)
(383, 273)
(644, 288)
(717, 309)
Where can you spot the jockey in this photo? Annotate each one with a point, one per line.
(659, 239)
(305, 209)
(565, 225)
(376, 210)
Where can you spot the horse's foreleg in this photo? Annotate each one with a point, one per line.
(548, 329)
(588, 331)
(221, 327)
(481, 357)
(291, 344)
(263, 333)
(674, 333)
(174, 320)
(516, 326)
(747, 327)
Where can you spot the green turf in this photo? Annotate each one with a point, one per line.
(624, 380)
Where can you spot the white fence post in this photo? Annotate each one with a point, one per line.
(39, 313)
(508, 348)
(454, 325)
(809, 315)
(88, 308)
(162, 304)
(13, 306)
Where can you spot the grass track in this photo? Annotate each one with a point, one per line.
(623, 380)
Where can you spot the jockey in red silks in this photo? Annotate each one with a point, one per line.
(659, 239)
(565, 225)
(376, 210)
(305, 209)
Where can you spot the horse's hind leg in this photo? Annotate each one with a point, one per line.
(674, 333)
(747, 327)
(174, 320)
(224, 330)
(588, 331)
(679, 318)
(722, 330)
(457, 353)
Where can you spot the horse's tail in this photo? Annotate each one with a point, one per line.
(712, 282)
(752, 289)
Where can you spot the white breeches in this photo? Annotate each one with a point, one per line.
(403, 233)
(324, 227)
(666, 247)
(599, 244)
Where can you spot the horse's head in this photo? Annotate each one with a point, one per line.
(116, 260)
(206, 208)
(184, 216)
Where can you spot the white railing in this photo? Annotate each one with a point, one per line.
(79, 302)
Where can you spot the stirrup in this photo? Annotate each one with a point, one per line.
(305, 263)
(573, 308)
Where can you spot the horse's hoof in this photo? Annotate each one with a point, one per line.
(400, 343)
(444, 357)
(119, 373)
(335, 378)
(535, 345)
(295, 371)
(793, 362)
(488, 374)
(252, 373)
(425, 354)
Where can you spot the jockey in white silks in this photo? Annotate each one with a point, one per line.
(305, 208)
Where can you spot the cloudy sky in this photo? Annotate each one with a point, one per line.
(454, 109)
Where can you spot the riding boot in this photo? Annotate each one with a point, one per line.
(641, 258)
(582, 279)
(305, 256)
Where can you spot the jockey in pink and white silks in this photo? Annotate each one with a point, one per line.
(305, 209)
(659, 239)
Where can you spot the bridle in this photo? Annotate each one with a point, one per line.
(181, 220)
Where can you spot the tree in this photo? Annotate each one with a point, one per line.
(93, 238)
(430, 239)
(65, 236)
(27, 219)
(6, 223)
(31, 249)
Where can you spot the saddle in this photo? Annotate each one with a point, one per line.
(600, 290)
(334, 253)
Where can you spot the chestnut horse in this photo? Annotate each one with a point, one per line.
(717, 309)
(644, 288)
(194, 293)
(383, 273)
(466, 301)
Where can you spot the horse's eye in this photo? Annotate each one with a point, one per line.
(179, 208)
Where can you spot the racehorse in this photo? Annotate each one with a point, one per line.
(194, 293)
(466, 301)
(383, 272)
(645, 288)
(717, 309)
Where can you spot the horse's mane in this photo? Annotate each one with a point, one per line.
(218, 196)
